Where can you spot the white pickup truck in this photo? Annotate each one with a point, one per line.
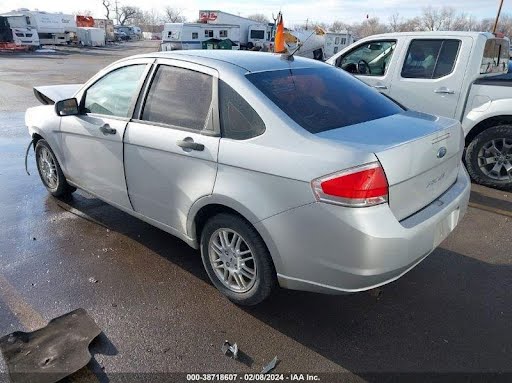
(462, 75)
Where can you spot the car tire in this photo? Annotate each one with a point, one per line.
(492, 147)
(50, 171)
(245, 290)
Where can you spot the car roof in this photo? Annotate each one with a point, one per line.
(236, 59)
(435, 34)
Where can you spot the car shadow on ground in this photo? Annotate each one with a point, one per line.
(450, 314)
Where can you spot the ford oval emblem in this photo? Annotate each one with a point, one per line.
(441, 152)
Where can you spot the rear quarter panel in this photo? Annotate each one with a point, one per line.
(486, 101)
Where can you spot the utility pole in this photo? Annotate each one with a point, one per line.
(497, 17)
(117, 13)
(307, 22)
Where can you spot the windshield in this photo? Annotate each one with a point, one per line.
(320, 99)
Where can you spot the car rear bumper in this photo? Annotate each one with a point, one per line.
(325, 248)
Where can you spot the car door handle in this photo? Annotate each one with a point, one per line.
(106, 129)
(380, 87)
(188, 143)
(444, 90)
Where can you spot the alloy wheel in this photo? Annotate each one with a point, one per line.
(232, 260)
(48, 168)
(495, 159)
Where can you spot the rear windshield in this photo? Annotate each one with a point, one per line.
(321, 99)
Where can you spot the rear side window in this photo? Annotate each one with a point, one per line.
(179, 97)
(238, 119)
(321, 99)
(430, 59)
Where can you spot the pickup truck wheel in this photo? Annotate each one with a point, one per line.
(237, 260)
(50, 171)
(489, 157)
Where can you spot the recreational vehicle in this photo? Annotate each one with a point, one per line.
(184, 36)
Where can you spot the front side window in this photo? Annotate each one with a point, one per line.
(113, 94)
(208, 33)
(343, 40)
(238, 119)
(369, 59)
(337, 40)
(223, 33)
(430, 59)
(195, 35)
(179, 97)
(323, 99)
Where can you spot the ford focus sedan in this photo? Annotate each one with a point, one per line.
(282, 172)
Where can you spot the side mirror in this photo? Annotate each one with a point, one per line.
(68, 107)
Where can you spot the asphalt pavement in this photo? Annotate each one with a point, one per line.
(159, 313)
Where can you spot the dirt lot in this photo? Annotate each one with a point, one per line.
(160, 314)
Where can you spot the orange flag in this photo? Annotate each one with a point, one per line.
(279, 39)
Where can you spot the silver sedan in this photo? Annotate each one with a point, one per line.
(283, 172)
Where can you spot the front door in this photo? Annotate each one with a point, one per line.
(430, 75)
(92, 142)
(171, 148)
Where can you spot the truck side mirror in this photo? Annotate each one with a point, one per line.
(68, 107)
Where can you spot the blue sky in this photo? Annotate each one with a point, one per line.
(294, 12)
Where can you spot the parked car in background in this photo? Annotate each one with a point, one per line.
(452, 74)
(286, 172)
(121, 36)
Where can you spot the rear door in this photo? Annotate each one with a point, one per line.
(171, 145)
(92, 142)
(370, 62)
(430, 74)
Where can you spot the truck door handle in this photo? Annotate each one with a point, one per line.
(444, 90)
(106, 129)
(188, 143)
(380, 87)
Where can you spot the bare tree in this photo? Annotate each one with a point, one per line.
(437, 19)
(107, 5)
(395, 22)
(150, 21)
(127, 14)
(260, 18)
(399, 24)
(463, 22)
(369, 27)
(174, 15)
(339, 26)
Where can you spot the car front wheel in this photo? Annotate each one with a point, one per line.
(50, 171)
(489, 157)
(237, 260)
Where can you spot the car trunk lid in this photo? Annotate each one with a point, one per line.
(420, 155)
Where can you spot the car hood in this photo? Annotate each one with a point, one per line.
(50, 94)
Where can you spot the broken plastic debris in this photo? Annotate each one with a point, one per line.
(230, 350)
(269, 367)
(51, 353)
(93, 280)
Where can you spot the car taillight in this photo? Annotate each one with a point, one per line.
(355, 187)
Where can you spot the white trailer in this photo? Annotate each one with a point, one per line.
(336, 41)
(93, 37)
(177, 36)
(108, 26)
(252, 33)
(52, 28)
